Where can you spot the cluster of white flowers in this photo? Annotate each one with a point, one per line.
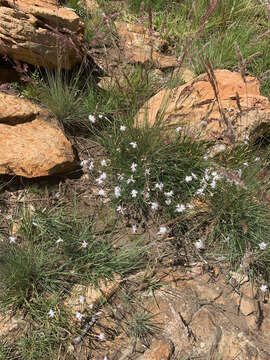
(92, 118)
(210, 178)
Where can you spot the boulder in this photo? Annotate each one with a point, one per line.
(195, 105)
(26, 33)
(139, 45)
(30, 144)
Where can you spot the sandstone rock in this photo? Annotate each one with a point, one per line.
(247, 305)
(25, 37)
(194, 104)
(30, 145)
(160, 350)
(93, 296)
(12, 325)
(140, 46)
(90, 5)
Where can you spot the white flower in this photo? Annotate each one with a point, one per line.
(91, 306)
(262, 245)
(84, 244)
(117, 191)
(105, 358)
(178, 129)
(81, 299)
(240, 172)
(51, 313)
(99, 181)
(147, 172)
(59, 240)
(162, 230)
(120, 209)
(213, 184)
(188, 178)
(133, 144)
(103, 162)
(199, 244)
(169, 193)
(12, 239)
(103, 176)
(263, 288)
(245, 164)
(134, 229)
(147, 195)
(84, 163)
(159, 186)
(101, 192)
(100, 116)
(168, 201)
(154, 205)
(227, 239)
(180, 208)
(123, 128)
(120, 177)
(92, 119)
(257, 159)
(131, 179)
(134, 193)
(133, 167)
(194, 176)
(101, 336)
(91, 166)
(200, 191)
(205, 157)
(79, 316)
(190, 206)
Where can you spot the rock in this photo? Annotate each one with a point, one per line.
(30, 145)
(160, 350)
(140, 46)
(25, 36)
(194, 104)
(93, 296)
(247, 305)
(12, 325)
(90, 5)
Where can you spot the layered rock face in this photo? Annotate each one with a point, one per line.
(237, 109)
(30, 145)
(39, 33)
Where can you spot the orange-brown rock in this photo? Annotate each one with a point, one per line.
(30, 144)
(24, 35)
(195, 105)
(160, 349)
(140, 46)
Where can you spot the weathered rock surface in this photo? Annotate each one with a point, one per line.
(160, 349)
(202, 319)
(24, 35)
(140, 46)
(195, 105)
(30, 145)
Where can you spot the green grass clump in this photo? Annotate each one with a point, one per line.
(142, 325)
(26, 272)
(153, 162)
(56, 252)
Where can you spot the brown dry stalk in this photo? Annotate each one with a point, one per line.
(262, 36)
(242, 64)
(213, 81)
